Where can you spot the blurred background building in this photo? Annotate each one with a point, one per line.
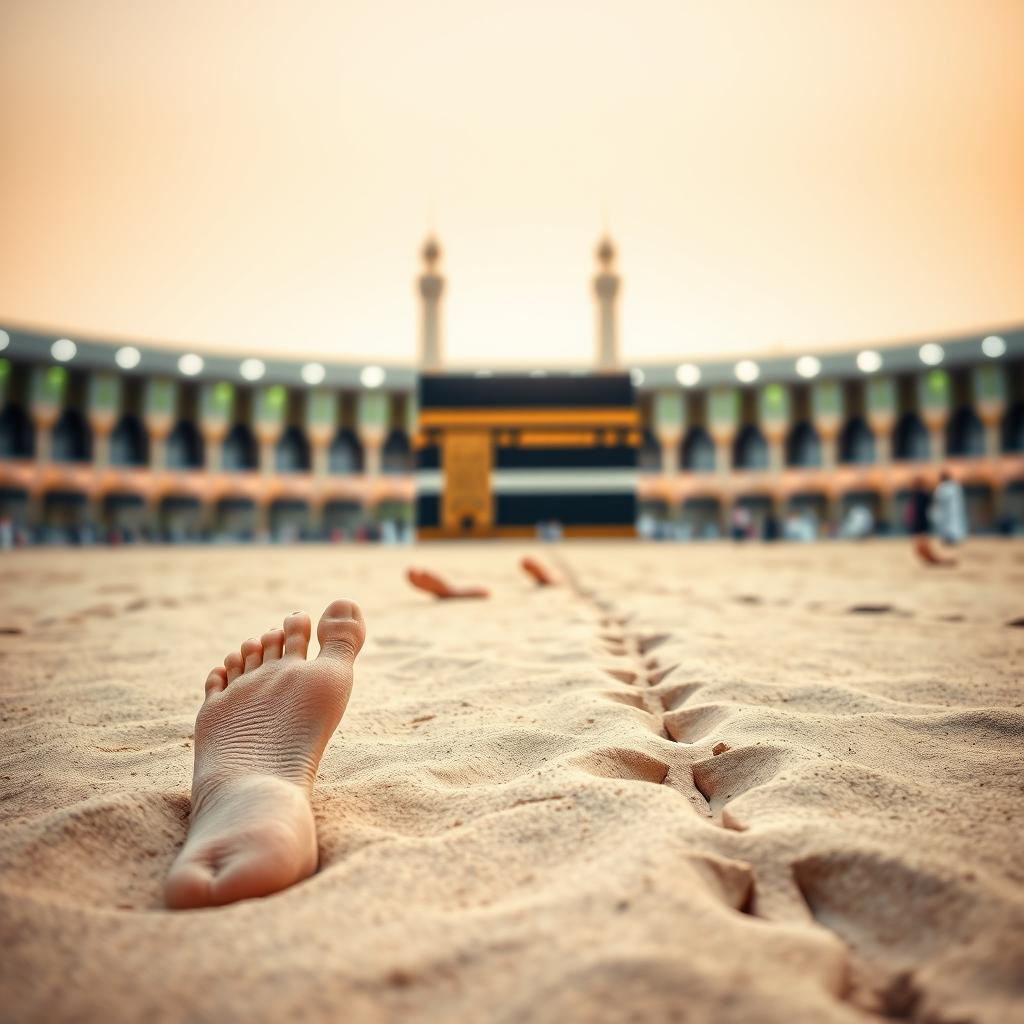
(126, 441)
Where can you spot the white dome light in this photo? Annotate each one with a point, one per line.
(747, 371)
(371, 376)
(538, 373)
(252, 369)
(128, 357)
(688, 374)
(637, 376)
(869, 361)
(313, 373)
(63, 350)
(931, 354)
(483, 373)
(5, 340)
(808, 366)
(994, 346)
(191, 364)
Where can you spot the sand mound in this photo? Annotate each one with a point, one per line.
(690, 786)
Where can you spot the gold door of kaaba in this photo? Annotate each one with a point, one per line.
(467, 505)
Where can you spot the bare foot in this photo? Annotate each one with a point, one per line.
(260, 733)
(433, 584)
(540, 575)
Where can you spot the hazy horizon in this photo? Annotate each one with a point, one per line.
(776, 177)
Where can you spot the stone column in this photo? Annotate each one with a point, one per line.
(48, 390)
(321, 424)
(881, 416)
(372, 425)
(829, 445)
(104, 405)
(933, 397)
(827, 408)
(270, 409)
(160, 403)
(723, 422)
(988, 389)
(158, 444)
(773, 410)
(216, 411)
(669, 427)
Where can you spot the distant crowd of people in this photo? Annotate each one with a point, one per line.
(941, 513)
(13, 535)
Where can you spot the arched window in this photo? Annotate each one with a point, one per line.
(910, 440)
(72, 438)
(856, 442)
(17, 435)
(346, 453)
(239, 451)
(698, 451)
(129, 445)
(1013, 429)
(803, 446)
(965, 434)
(184, 447)
(750, 450)
(291, 453)
(649, 455)
(396, 456)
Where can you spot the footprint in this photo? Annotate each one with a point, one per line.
(624, 675)
(633, 698)
(673, 697)
(885, 906)
(723, 777)
(646, 644)
(656, 675)
(691, 724)
(869, 609)
(622, 763)
(733, 880)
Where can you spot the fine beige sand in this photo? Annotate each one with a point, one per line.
(523, 816)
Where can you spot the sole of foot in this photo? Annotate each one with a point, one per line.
(537, 572)
(433, 584)
(260, 733)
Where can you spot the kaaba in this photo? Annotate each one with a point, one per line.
(511, 455)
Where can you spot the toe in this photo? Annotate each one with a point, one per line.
(216, 680)
(296, 634)
(341, 630)
(252, 654)
(233, 665)
(273, 644)
(189, 886)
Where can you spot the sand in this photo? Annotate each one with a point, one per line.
(523, 816)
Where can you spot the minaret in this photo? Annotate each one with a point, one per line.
(606, 287)
(431, 287)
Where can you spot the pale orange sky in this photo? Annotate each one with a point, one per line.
(259, 176)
